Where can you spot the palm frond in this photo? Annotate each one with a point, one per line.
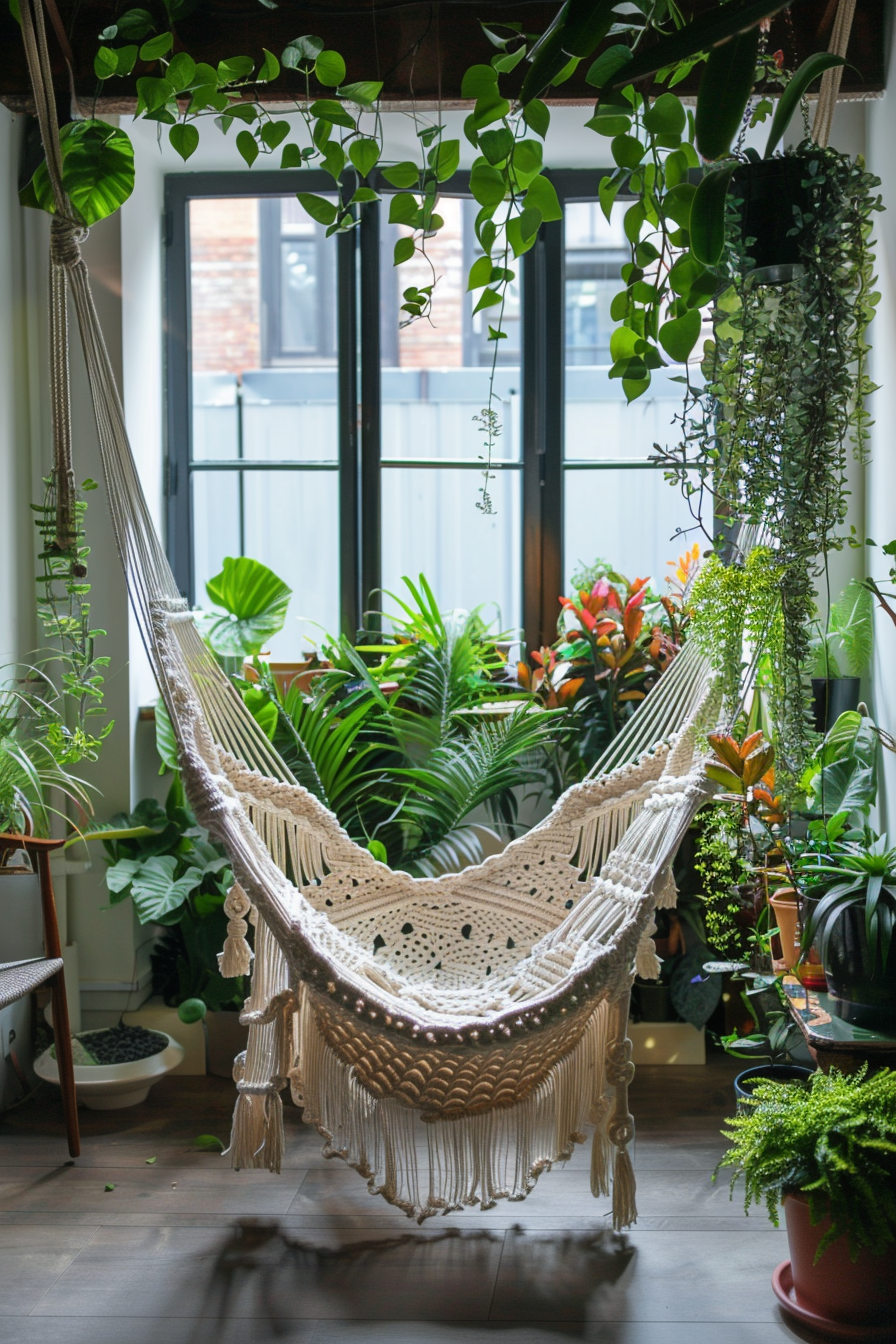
(852, 621)
(465, 772)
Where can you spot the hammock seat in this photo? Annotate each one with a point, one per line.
(449, 1037)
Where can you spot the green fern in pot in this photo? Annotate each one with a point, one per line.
(827, 1152)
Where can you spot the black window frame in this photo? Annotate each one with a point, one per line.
(359, 344)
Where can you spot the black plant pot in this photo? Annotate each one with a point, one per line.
(831, 697)
(655, 1002)
(768, 1073)
(768, 191)
(862, 990)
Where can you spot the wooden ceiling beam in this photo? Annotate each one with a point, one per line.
(419, 49)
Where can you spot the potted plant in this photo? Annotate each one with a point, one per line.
(850, 894)
(847, 636)
(774, 1049)
(115, 1067)
(50, 707)
(615, 639)
(826, 1151)
(178, 878)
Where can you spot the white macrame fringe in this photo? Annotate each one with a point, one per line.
(600, 1149)
(442, 1166)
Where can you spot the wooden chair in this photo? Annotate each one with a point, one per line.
(19, 978)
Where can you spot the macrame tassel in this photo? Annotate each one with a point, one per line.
(600, 1150)
(248, 1132)
(272, 1151)
(236, 958)
(625, 1210)
(647, 963)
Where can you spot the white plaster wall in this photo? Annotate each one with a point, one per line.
(880, 477)
(16, 605)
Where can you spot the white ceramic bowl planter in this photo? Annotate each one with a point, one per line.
(105, 1086)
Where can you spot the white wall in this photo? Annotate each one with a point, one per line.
(880, 478)
(113, 950)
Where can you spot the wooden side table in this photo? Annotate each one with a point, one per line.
(832, 1042)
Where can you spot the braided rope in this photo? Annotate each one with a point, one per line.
(830, 80)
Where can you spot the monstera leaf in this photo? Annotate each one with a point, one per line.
(255, 601)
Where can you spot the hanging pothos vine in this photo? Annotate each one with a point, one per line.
(768, 433)
(334, 124)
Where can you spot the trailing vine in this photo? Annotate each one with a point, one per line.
(340, 131)
(767, 436)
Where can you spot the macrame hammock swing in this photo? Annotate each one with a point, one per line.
(450, 1038)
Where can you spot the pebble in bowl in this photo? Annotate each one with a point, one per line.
(115, 1066)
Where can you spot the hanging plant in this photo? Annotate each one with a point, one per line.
(767, 436)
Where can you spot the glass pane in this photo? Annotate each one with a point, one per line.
(431, 525)
(263, 331)
(290, 415)
(225, 298)
(628, 518)
(292, 526)
(435, 375)
(599, 424)
(216, 426)
(216, 525)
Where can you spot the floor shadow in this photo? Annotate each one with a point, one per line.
(453, 1276)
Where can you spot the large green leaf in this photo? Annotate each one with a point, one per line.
(155, 890)
(255, 600)
(789, 101)
(707, 218)
(716, 24)
(97, 171)
(725, 87)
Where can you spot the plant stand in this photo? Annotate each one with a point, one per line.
(832, 1042)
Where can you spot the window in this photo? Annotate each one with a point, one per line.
(307, 428)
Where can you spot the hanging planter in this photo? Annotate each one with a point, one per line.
(772, 198)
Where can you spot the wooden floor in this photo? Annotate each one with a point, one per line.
(185, 1251)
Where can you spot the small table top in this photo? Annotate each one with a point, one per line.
(827, 1035)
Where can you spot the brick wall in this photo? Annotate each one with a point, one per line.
(224, 277)
(437, 344)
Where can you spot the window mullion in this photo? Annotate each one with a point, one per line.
(370, 509)
(350, 597)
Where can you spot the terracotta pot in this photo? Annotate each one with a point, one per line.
(784, 904)
(287, 674)
(835, 1289)
(225, 1038)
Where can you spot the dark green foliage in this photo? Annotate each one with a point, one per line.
(768, 434)
(721, 872)
(835, 1142)
(404, 738)
(177, 877)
